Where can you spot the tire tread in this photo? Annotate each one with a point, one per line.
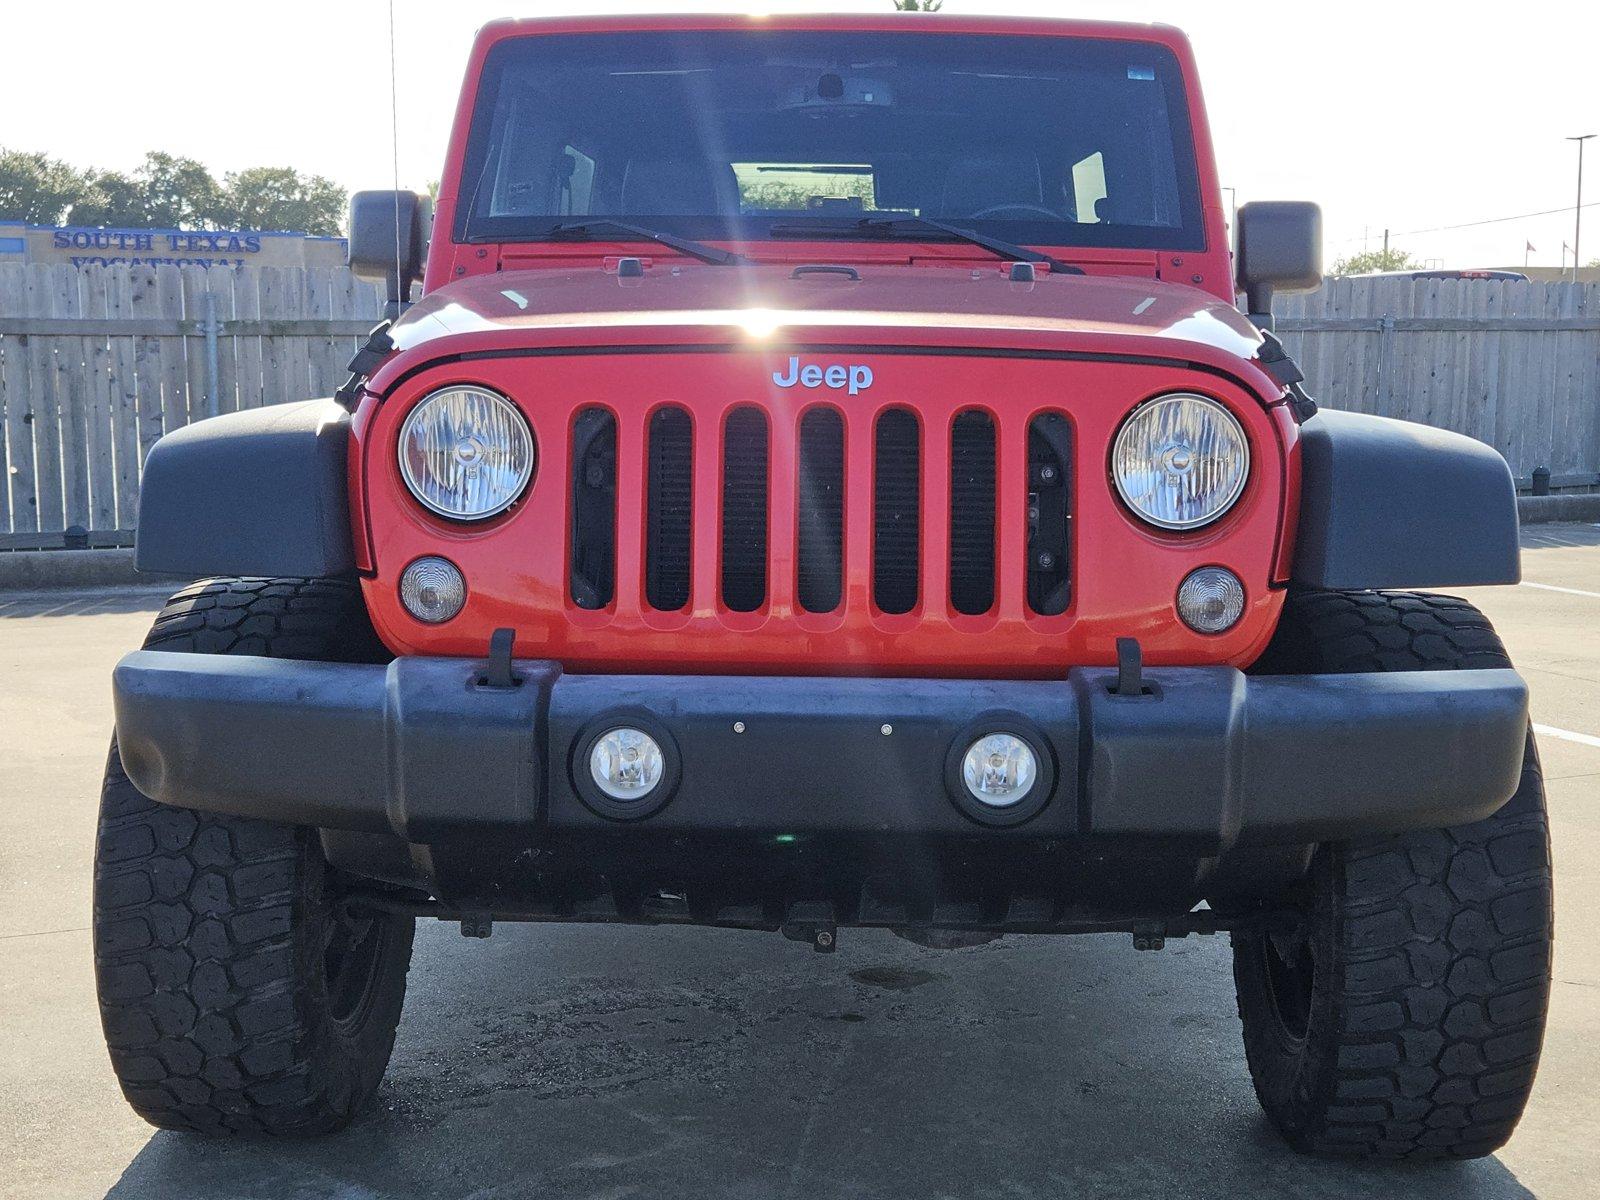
(1426, 1039)
(203, 922)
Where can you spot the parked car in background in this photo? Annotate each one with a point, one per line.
(1448, 273)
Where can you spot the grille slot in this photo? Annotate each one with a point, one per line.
(593, 566)
(820, 480)
(744, 510)
(669, 513)
(1049, 514)
(897, 504)
(972, 506)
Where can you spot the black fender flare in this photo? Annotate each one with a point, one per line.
(1392, 504)
(259, 492)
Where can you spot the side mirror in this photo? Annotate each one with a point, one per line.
(389, 240)
(1279, 247)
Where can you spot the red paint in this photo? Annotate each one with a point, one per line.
(1125, 573)
(709, 339)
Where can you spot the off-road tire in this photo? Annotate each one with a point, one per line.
(218, 939)
(1415, 1032)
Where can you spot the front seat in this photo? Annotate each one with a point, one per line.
(679, 187)
(974, 184)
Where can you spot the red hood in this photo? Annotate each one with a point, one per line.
(693, 302)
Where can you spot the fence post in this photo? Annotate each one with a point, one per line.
(211, 329)
(1385, 362)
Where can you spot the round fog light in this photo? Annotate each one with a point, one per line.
(433, 590)
(626, 764)
(1211, 600)
(999, 770)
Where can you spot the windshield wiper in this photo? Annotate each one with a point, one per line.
(582, 230)
(890, 226)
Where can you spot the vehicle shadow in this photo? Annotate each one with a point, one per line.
(87, 602)
(601, 1062)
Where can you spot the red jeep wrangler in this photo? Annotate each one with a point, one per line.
(827, 482)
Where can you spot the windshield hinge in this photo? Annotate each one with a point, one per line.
(1277, 362)
(378, 346)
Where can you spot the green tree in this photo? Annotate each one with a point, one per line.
(37, 189)
(167, 192)
(164, 192)
(281, 198)
(110, 198)
(1368, 261)
(178, 192)
(919, 5)
(789, 194)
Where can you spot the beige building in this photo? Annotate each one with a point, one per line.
(84, 247)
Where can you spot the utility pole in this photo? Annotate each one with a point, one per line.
(1386, 247)
(1577, 212)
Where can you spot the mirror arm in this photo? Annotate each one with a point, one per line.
(1258, 305)
(398, 290)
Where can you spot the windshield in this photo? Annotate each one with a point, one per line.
(1040, 140)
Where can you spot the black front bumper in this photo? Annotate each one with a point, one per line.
(1207, 760)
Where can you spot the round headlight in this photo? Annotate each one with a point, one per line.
(1180, 461)
(466, 453)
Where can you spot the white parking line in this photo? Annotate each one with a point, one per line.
(1550, 587)
(1566, 735)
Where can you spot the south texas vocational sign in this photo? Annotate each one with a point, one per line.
(85, 247)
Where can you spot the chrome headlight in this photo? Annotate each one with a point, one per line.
(1180, 461)
(466, 453)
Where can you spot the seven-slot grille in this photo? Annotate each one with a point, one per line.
(753, 459)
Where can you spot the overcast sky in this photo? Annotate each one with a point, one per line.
(1402, 114)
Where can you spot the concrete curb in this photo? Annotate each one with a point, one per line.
(47, 570)
(44, 570)
(1544, 510)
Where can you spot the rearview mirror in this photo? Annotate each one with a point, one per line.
(1279, 248)
(389, 240)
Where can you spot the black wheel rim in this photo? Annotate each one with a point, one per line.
(351, 953)
(1290, 971)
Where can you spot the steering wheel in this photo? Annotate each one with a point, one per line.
(1032, 210)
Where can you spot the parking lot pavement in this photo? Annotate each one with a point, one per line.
(593, 1062)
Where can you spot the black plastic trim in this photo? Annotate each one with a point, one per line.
(1206, 759)
(260, 492)
(1392, 504)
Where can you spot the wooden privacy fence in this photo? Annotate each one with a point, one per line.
(97, 363)
(1516, 365)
